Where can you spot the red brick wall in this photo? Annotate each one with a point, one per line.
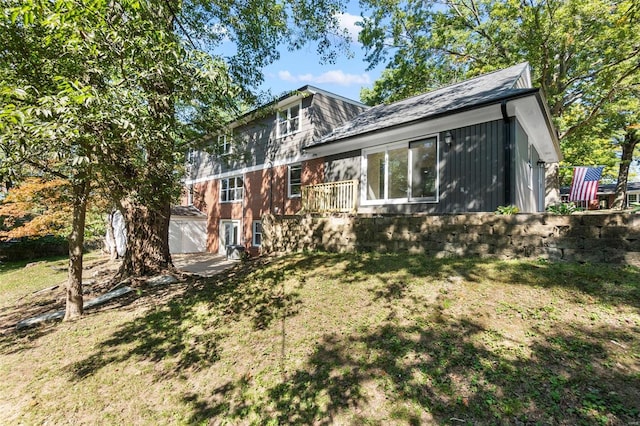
(205, 198)
(257, 199)
(265, 191)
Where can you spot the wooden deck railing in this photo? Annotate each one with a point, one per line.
(330, 197)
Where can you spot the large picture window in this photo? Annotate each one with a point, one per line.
(231, 189)
(424, 168)
(401, 172)
(288, 121)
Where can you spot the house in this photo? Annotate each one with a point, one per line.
(260, 165)
(606, 195)
(468, 147)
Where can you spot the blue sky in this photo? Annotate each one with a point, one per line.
(344, 77)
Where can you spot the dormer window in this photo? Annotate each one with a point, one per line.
(288, 120)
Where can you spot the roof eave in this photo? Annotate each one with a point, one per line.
(549, 123)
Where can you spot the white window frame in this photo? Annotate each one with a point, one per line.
(390, 147)
(283, 116)
(289, 193)
(190, 195)
(190, 159)
(224, 141)
(634, 195)
(238, 192)
(254, 232)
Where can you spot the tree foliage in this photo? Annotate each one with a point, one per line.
(35, 208)
(583, 55)
(38, 207)
(109, 94)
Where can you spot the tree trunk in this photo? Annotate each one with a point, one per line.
(147, 207)
(147, 239)
(75, 305)
(631, 139)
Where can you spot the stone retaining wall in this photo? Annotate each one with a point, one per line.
(595, 238)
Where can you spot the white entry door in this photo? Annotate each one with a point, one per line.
(229, 234)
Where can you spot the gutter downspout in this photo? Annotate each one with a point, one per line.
(506, 132)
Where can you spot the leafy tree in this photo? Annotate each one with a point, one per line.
(582, 53)
(35, 208)
(109, 94)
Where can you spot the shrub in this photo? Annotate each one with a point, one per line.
(562, 208)
(507, 210)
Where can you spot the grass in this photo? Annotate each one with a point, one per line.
(342, 339)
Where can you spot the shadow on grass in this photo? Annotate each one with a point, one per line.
(438, 374)
(434, 368)
(444, 369)
(610, 283)
(10, 266)
(187, 329)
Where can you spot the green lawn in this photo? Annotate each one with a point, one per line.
(341, 339)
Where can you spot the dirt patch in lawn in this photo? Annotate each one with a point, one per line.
(98, 275)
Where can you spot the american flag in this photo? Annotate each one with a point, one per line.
(584, 185)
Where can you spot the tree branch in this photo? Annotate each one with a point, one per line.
(46, 169)
(603, 101)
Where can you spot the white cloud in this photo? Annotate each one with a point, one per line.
(330, 77)
(286, 76)
(348, 21)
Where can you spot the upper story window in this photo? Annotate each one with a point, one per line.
(401, 172)
(224, 144)
(190, 161)
(231, 189)
(190, 195)
(288, 120)
(295, 180)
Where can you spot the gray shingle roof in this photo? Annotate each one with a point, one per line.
(467, 94)
(189, 211)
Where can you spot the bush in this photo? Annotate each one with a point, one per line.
(33, 248)
(507, 210)
(563, 208)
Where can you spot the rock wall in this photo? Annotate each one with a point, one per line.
(595, 238)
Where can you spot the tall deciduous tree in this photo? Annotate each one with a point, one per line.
(111, 92)
(583, 53)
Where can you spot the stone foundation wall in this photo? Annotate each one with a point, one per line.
(595, 238)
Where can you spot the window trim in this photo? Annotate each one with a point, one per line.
(254, 233)
(287, 119)
(365, 201)
(235, 188)
(289, 167)
(190, 195)
(226, 144)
